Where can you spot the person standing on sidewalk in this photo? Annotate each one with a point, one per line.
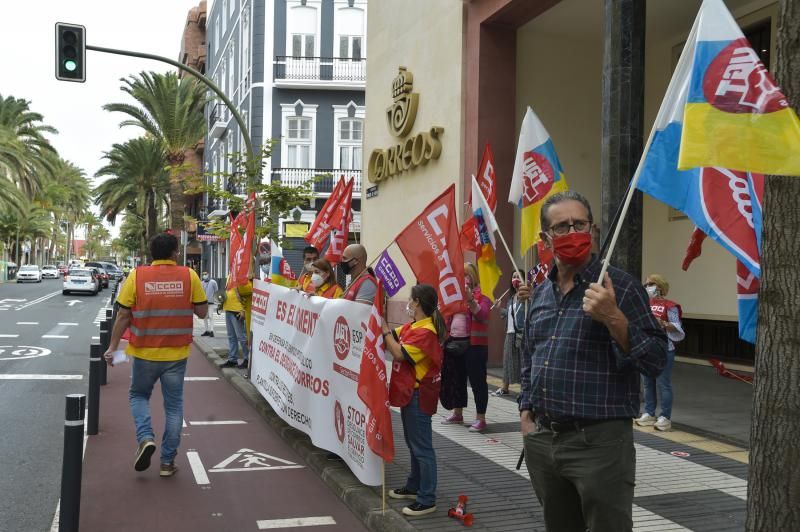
(586, 344)
(310, 255)
(514, 314)
(236, 307)
(363, 285)
(157, 302)
(210, 288)
(414, 387)
(668, 313)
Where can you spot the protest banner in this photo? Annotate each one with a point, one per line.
(306, 361)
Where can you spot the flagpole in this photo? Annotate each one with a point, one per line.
(379, 254)
(510, 256)
(383, 486)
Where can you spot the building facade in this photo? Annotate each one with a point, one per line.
(296, 71)
(596, 79)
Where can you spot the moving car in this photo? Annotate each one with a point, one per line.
(28, 273)
(102, 276)
(62, 269)
(111, 269)
(81, 280)
(50, 272)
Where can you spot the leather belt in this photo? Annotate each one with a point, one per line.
(567, 424)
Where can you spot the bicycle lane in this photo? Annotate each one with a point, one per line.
(235, 473)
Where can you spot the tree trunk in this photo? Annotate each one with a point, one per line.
(773, 499)
(151, 219)
(176, 197)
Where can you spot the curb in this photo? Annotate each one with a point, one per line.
(362, 500)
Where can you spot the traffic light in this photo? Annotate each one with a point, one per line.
(70, 52)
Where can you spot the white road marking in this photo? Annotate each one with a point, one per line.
(198, 469)
(224, 422)
(201, 378)
(62, 336)
(20, 352)
(39, 300)
(9, 336)
(39, 377)
(95, 337)
(295, 522)
(72, 302)
(27, 323)
(184, 424)
(67, 323)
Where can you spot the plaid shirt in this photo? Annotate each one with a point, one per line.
(571, 366)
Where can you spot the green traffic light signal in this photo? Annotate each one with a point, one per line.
(70, 52)
(70, 65)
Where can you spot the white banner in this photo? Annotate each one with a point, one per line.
(306, 358)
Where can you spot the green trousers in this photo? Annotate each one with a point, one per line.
(584, 478)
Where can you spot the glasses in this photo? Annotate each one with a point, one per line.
(563, 228)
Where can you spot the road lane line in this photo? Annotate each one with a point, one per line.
(9, 336)
(224, 422)
(62, 336)
(95, 337)
(201, 378)
(198, 469)
(67, 323)
(39, 300)
(39, 377)
(27, 323)
(294, 522)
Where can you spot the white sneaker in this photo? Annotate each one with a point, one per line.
(646, 420)
(663, 424)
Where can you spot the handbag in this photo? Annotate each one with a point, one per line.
(456, 346)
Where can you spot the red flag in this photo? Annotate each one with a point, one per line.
(486, 178)
(469, 237)
(243, 230)
(430, 244)
(321, 227)
(541, 270)
(694, 248)
(341, 233)
(373, 385)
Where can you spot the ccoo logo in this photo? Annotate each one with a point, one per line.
(341, 338)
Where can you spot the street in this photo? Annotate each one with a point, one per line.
(44, 351)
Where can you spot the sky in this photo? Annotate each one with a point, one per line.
(27, 66)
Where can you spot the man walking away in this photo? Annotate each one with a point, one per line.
(157, 302)
(210, 288)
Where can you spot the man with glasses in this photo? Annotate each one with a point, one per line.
(585, 345)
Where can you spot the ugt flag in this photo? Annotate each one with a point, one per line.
(280, 271)
(340, 233)
(537, 175)
(488, 271)
(328, 217)
(734, 115)
(373, 385)
(487, 180)
(430, 244)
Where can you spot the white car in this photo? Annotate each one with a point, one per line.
(81, 280)
(50, 272)
(28, 273)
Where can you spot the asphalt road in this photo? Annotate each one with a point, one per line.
(44, 352)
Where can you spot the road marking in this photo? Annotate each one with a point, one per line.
(19, 352)
(62, 336)
(95, 337)
(39, 377)
(201, 378)
(39, 300)
(67, 323)
(293, 522)
(9, 336)
(252, 461)
(27, 323)
(198, 469)
(72, 302)
(224, 422)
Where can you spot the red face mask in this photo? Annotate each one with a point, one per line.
(573, 248)
(515, 283)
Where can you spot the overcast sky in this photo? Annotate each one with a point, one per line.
(27, 65)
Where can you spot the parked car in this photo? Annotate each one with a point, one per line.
(81, 280)
(101, 275)
(50, 272)
(111, 269)
(62, 269)
(29, 273)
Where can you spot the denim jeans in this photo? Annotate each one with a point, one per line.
(144, 374)
(664, 384)
(237, 336)
(419, 438)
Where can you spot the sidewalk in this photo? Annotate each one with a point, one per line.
(685, 481)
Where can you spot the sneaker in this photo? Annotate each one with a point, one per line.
(453, 420)
(167, 470)
(243, 365)
(211, 334)
(646, 420)
(663, 424)
(478, 426)
(498, 392)
(229, 364)
(143, 454)
(402, 493)
(207, 333)
(416, 509)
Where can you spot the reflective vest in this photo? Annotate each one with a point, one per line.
(479, 329)
(162, 315)
(404, 381)
(304, 282)
(660, 307)
(352, 290)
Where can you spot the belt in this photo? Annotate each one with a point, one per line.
(568, 424)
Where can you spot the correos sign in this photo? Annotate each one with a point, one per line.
(413, 150)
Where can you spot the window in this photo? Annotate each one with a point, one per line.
(298, 142)
(216, 34)
(224, 15)
(303, 45)
(231, 69)
(350, 138)
(244, 64)
(350, 47)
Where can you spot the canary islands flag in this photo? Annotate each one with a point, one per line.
(735, 115)
(488, 271)
(537, 176)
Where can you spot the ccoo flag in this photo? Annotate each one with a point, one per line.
(734, 115)
(488, 271)
(537, 175)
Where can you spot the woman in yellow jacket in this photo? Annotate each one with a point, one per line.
(323, 280)
(237, 308)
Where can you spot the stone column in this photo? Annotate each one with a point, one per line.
(623, 113)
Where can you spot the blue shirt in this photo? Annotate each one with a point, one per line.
(571, 366)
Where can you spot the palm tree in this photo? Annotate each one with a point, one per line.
(139, 182)
(171, 110)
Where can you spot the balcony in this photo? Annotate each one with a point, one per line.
(295, 177)
(320, 72)
(217, 121)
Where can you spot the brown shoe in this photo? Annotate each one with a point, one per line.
(167, 470)
(143, 454)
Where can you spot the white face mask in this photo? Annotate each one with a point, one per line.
(265, 269)
(410, 311)
(652, 290)
(205, 277)
(317, 280)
